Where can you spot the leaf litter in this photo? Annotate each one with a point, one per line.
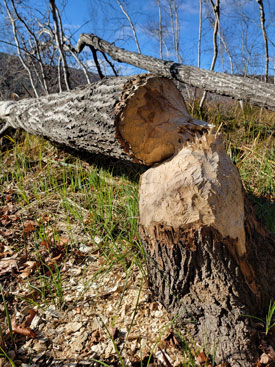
(67, 306)
(98, 313)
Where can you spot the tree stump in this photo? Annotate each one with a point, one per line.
(209, 261)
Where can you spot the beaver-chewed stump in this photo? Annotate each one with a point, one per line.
(209, 262)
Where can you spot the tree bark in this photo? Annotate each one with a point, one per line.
(209, 262)
(216, 11)
(141, 118)
(248, 90)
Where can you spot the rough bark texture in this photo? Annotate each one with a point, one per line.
(82, 119)
(253, 91)
(141, 118)
(208, 261)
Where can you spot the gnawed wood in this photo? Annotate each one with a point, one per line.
(208, 261)
(203, 251)
(153, 120)
(140, 118)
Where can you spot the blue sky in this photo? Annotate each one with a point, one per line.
(240, 28)
(109, 23)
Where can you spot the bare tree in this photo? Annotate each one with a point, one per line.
(199, 38)
(175, 26)
(160, 31)
(19, 49)
(199, 52)
(262, 20)
(36, 49)
(216, 11)
(59, 36)
(131, 24)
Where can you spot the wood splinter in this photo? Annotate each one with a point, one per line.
(209, 261)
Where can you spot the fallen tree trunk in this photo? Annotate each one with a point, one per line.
(140, 118)
(208, 261)
(245, 89)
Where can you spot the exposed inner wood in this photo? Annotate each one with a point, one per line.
(199, 187)
(141, 118)
(155, 122)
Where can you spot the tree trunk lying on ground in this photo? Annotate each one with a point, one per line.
(209, 262)
(245, 89)
(131, 118)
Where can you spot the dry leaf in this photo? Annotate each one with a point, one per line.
(45, 244)
(63, 241)
(20, 329)
(30, 265)
(53, 260)
(96, 337)
(201, 357)
(29, 226)
(7, 265)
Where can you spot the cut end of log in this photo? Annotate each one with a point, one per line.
(198, 187)
(153, 119)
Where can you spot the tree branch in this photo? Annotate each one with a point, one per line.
(255, 92)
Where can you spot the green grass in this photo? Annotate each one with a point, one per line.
(72, 202)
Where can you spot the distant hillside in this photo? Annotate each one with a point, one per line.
(14, 78)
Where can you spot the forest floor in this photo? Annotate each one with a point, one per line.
(74, 288)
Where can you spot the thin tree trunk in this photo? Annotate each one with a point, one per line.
(177, 31)
(254, 92)
(131, 24)
(59, 74)
(43, 82)
(216, 10)
(59, 35)
(160, 31)
(26, 67)
(228, 53)
(262, 20)
(172, 23)
(199, 38)
(199, 49)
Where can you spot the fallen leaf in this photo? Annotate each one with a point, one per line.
(96, 337)
(45, 244)
(7, 265)
(5, 220)
(201, 357)
(25, 273)
(63, 240)
(29, 226)
(53, 260)
(20, 329)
